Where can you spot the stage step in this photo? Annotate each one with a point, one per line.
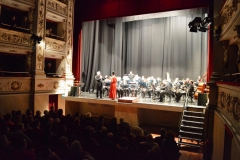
(193, 112)
(193, 117)
(189, 144)
(189, 138)
(195, 106)
(190, 132)
(192, 121)
(191, 127)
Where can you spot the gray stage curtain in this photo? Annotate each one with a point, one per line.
(149, 47)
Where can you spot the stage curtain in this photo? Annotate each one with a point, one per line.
(148, 47)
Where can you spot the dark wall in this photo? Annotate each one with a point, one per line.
(88, 10)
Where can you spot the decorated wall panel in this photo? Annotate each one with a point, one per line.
(55, 45)
(57, 7)
(15, 85)
(14, 37)
(50, 84)
(229, 101)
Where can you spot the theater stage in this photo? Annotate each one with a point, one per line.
(140, 111)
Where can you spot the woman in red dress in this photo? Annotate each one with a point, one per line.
(113, 87)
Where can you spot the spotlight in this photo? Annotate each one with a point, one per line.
(202, 29)
(199, 25)
(205, 22)
(193, 29)
(195, 23)
(36, 38)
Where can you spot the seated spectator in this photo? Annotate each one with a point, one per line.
(113, 127)
(29, 112)
(5, 145)
(36, 134)
(137, 131)
(19, 134)
(38, 115)
(13, 22)
(22, 153)
(49, 32)
(78, 153)
(122, 125)
(25, 23)
(88, 121)
(154, 154)
(169, 144)
(149, 141)
(8, 120)
(160, 138)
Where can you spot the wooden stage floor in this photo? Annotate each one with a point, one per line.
(147, 103)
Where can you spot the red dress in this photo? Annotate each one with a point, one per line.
(113, 88)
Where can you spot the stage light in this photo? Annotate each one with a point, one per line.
(193, 29)
(199, 25)
(205, 22)
(202, 29)
(196, 22)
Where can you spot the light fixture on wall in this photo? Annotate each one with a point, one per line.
(199, 25)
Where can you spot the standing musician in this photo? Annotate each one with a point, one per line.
(99, 80)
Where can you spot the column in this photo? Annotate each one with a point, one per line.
(38, 48)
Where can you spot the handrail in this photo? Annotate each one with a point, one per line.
(184, 107)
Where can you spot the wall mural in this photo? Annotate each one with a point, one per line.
(231, 105)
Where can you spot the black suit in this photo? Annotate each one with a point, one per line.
(166, 89)
(98, 79)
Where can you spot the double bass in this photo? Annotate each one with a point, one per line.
(200, 89)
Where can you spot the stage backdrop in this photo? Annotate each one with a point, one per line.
(147, 45)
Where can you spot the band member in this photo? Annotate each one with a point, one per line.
(99, 79)
(131, 76)
(165, 89)
(119, 87)
(106, 85)
(113, 87)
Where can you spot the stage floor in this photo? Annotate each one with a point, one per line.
(167, 105)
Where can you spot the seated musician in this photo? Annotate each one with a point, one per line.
(125, 85)
(165, 89)
(131, 76)
(106, 85)
(150, 86)
(119, 87)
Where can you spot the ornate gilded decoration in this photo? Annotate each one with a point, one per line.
(25, 1)
(15, 85)
(228, 10)
(69, 23)
(55, 85)
(231, 105)
(57, 7)
(15, 37)
(40, 58)
(29, 60)
(14, 49)
(40, 85)
(52, 44)
(41, 18)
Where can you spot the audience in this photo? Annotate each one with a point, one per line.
(59, 137)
